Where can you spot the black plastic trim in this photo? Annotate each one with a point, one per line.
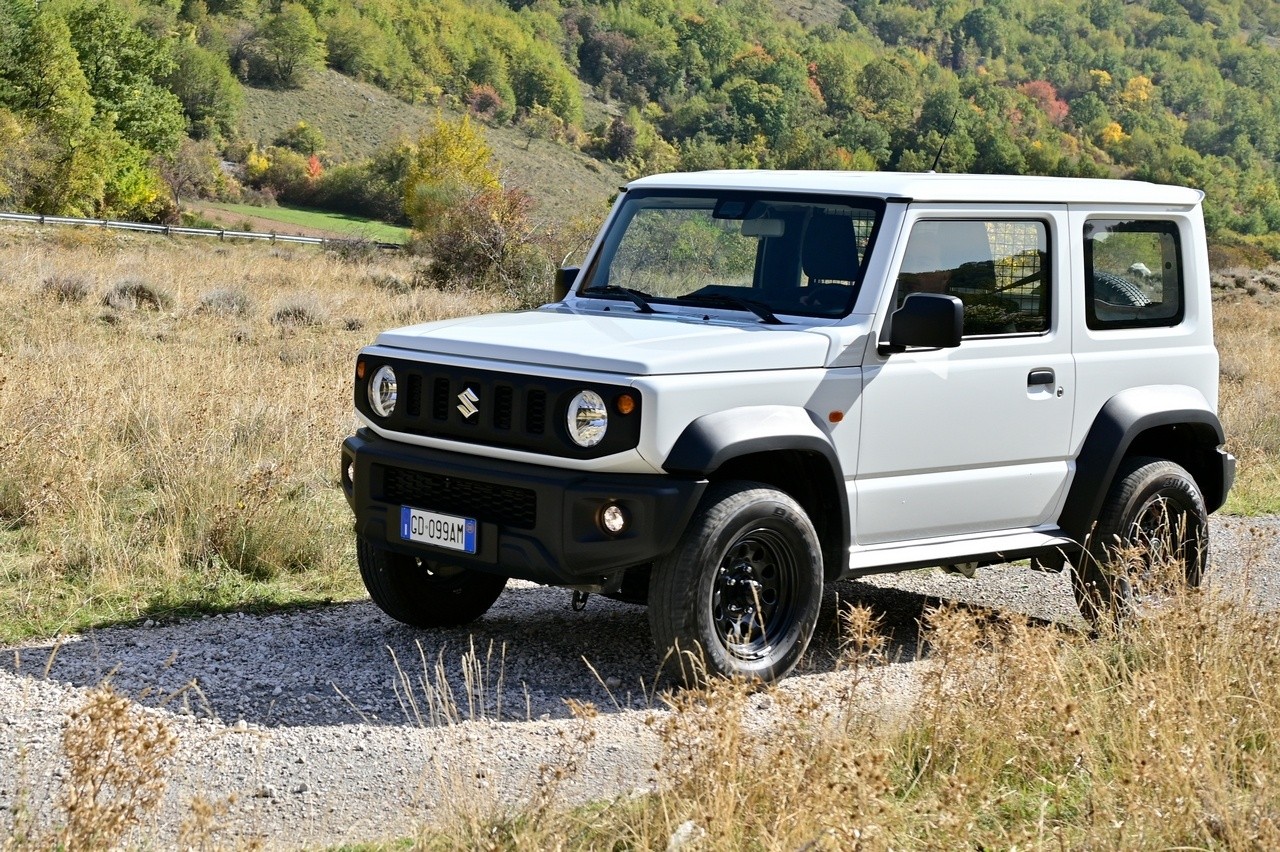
(712, 441)
(1121, 420)
(565, 546)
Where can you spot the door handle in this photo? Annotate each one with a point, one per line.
(1040, 377)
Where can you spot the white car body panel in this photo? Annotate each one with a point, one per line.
(614, 338)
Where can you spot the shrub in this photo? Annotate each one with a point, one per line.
(485, 103)
(66, 288)
(487, 241)
(298, 312)
(303, 138)
(117, 757)
(224, 302)
(133, 294)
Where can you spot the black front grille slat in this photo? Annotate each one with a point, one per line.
(440, 398)
(413, 396)
(504, 505)
(535, 416)
(502, 407)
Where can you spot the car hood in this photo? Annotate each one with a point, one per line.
(635, 344)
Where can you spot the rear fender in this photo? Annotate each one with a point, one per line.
(1165, 421)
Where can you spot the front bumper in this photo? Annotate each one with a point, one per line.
(534, 522)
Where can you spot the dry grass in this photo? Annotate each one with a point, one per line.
(171, 416)
(1248, 335)
(1159, 735)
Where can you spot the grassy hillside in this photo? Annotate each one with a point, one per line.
(356, 119)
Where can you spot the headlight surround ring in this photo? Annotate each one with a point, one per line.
(383, 391)
(587, 419)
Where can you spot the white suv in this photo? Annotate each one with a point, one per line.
(763, 381)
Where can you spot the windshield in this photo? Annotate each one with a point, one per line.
(754, 252)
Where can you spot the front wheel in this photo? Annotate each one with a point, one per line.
(739, 595)
(1151, 537)
(422, 594)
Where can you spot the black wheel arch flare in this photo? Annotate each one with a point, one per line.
(1127, 425)
(747, 443)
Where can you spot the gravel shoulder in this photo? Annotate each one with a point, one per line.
(337, 725)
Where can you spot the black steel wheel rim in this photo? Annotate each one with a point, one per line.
(1165, 537)
(754, 593)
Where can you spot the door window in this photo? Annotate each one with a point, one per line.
(999, 269)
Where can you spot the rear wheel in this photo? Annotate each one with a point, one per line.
(1152, 537)
(422, 594)
(739, 595)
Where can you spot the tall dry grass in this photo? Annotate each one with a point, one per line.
(1159, 735)
(170, 414)
(1247, 327)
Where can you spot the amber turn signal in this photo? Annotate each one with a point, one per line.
(625, 403)
(359, 369)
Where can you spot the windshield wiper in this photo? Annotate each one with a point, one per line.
(760, 309)
(638, 297)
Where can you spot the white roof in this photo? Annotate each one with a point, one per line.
(921, 186)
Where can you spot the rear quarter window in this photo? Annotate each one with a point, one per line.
(1133, 274)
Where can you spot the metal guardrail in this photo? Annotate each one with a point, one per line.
(176, 230)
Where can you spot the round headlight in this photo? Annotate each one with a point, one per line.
(587, 419)
(382, 391)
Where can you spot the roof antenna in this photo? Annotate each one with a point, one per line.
(951, 125)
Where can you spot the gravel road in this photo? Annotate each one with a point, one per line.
(338, 725)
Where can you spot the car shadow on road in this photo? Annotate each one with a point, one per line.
(348, 663)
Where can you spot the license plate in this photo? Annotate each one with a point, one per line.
(439, 530)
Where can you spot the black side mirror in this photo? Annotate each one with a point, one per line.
(565, 276)
(928, 320)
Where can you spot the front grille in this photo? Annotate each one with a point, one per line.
(507, 409)
(513, 410)
(504, 505)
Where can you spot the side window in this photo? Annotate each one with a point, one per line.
(1133, 274)
(999, 268)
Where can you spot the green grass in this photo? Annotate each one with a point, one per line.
(339, 224)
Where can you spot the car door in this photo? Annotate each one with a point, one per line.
(974, 438)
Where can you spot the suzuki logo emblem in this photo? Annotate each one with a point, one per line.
(468, 399)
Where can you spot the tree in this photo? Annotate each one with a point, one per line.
(210, 96)
(122, 65)
(15, 19)
(451, 161)
(619, 141)
(47, 81)
(287, 47)
(303, 138)
(65, 150)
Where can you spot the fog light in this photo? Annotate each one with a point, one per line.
(613, 519)
(351, 473)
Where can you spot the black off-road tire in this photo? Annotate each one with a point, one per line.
(739, 595)
(421, 594)
(1153, 504)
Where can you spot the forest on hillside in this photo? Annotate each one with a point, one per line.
(114, 107)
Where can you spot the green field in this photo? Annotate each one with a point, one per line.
(313, 222)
